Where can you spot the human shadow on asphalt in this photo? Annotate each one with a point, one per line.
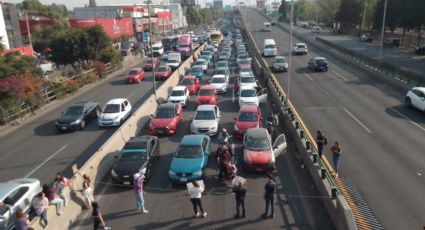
(402, 112)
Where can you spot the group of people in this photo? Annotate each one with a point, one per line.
(336, 150)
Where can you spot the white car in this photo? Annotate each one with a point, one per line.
(416, 98)
(16, 194)
(114, 112)
(206, 120)
(202, 62)
(220, 83)
(179, 94)
(247, 79)
(300, 48)
(248, 96)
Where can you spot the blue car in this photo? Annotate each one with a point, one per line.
(197, 71)
(190, 159)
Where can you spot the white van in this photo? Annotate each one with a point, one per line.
(157, 49)
(267, 26)
(270, 48)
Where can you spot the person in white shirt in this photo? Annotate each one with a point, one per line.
(40, 205)
(195, 189)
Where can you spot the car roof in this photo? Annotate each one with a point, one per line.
(179, 88)
(219, 76)
(164, 66)
(207, 87)
(257, 133)
(167, 105)
(420, 89)
(248, 108)
(197, 66)
(116, 101)
(7, 187)
(280, 57)
(189, 77)
(320, 58)
(205, 107)
(192, 139)
(246, 87)
(299, 43)
(142, 138)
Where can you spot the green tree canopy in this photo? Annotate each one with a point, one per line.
(14, 64)
(282, 10)
(349, 12)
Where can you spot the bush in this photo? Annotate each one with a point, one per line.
(89, 78)
(109, 55)
(63, 86)
(100, 68)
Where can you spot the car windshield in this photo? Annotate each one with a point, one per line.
(74, 110)
(133, 72)
(281, 60)
(111, 108)
(244, 61)
(196, 69)
(270, 46)
(200, 63)
(172, 61)
(220, 72)
(321, 61)
(162, 69)
(247, 79)
(206, 92)
(248, 116)
(301, 46)
(165, 113)
(188, 151)
(177, 93)
(204, 115)
(217, 80)
(244, 70)
(187, 81)
(257, 144)
(156, 48)
(222, 64)
(248, 93)
(133, 154)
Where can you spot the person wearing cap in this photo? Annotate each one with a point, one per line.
(138, 191)
(269, 193)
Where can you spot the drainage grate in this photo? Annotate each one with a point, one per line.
(363, 215)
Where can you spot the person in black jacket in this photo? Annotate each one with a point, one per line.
(240, 194)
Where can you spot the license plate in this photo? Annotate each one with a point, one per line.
(126, 182)
(63, 127)
(160, 131)
(183, 179)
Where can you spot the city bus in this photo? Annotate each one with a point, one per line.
(216, 36)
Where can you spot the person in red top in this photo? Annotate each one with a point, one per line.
(51, 194)
(224, 160)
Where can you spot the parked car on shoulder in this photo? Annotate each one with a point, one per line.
(77, 115)
(137, 156)
(115, 112)
(366, 37)
(416, 98)
(135, 75)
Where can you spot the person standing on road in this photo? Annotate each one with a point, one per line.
(336, 155)
(195, 190)
(269, 193)
(40, 205)
(240, 194)
(320, 141)
(138, 191)
(98, 218)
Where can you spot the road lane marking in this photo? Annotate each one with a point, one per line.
(357, 120)
(45, 161)
(405, 117)
(309, 76)
(340, 75)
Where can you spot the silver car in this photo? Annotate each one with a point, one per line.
(16, 195)
(206, 120)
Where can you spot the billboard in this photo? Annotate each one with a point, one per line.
(113, 28)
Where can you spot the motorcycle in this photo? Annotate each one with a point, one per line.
(223, 141)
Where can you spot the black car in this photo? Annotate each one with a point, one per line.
(318, 64)
(77, 115)
(137, 156)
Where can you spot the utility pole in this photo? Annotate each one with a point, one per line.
(148, 2)
(382, 30)
(364, 16)
(29, 32)
(290, 48)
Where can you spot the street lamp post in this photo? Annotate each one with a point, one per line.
(382, 30)
(364, 16)
(148, 2)
(290, 48)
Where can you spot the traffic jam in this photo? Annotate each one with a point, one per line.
(216, 108)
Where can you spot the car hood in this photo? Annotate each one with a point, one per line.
(244, 125)
(161, 73)
(68, 118)
(186, 165)
(204, 123)
(184, 49)
(108, 116)
(205, 98)
(161, 122)
(177, 98)
(129, 168)
(218, 85)
(259, 157)
(280, 65)
(253, 85)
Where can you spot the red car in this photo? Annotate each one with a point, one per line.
(135, 75)
(148, 64)
(192, 83)
(163, 72)
(249, 117)
(207, 95)
(166, 119)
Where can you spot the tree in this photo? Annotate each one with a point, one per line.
(14, 64)
(393, 17)
(109, 54)
(282, 10)
(349, 13)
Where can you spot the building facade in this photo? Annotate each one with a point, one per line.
(9, 26)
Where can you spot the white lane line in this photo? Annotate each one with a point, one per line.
(340, 75)
(405, 117)
(309, 76)
(45, 161)
(357, 120)
(233, 94)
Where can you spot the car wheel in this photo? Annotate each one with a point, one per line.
(408, 102)
(82, 124)
(120, 122)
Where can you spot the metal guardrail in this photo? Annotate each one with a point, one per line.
(310, 143)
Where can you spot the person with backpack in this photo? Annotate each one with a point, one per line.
(320, 141)
(269, 195)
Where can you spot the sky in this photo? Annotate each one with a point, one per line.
(80, 3)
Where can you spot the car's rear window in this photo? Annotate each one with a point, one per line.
(188, 151)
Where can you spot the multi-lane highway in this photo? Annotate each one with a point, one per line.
(169, 206)
(382, 141)
(36, 150)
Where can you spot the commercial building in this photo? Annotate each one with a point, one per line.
(34, 20)
(218, 4)
(10, 32)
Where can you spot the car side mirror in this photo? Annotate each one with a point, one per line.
(423, 98)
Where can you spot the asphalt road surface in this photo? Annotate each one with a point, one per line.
(382, 141)
(170, 208)
(36, 150)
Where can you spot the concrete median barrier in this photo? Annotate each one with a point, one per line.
(100, 163)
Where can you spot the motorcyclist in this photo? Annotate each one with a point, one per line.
(224, 160)
(224, 141)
